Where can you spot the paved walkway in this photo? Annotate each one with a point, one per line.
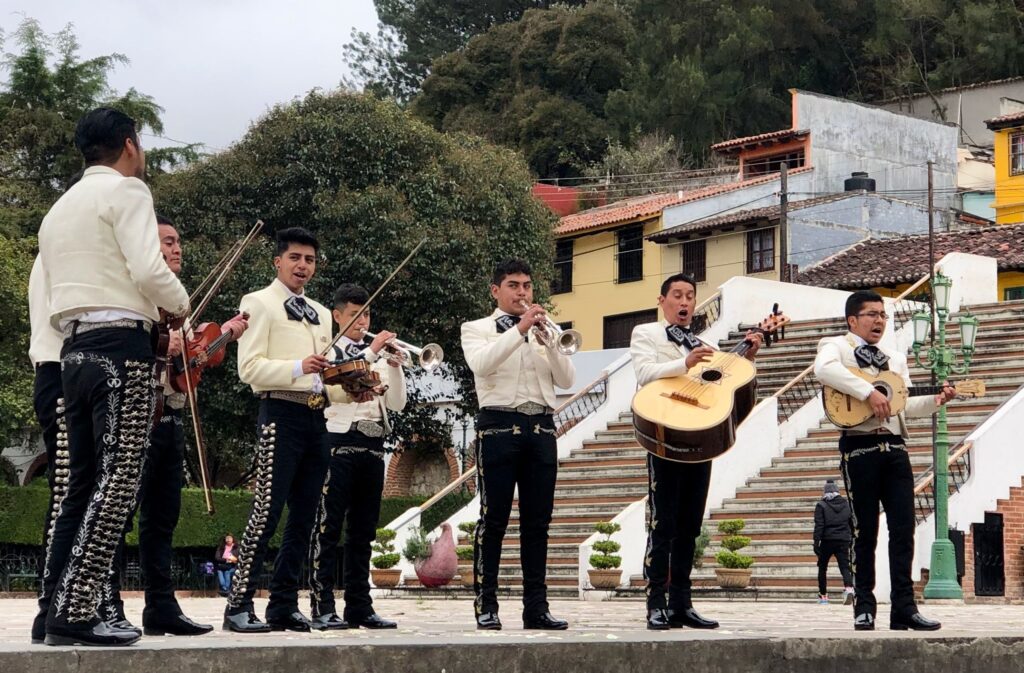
(430, 621)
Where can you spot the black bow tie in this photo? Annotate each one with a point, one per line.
(683, 336)
(506, 322)
(352, 350)
(298, 309)
(871, 356)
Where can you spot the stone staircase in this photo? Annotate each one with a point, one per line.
(778, 503)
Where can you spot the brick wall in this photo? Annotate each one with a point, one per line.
(1012, 509)
(402, 467)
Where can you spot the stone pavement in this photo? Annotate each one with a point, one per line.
(439, 635)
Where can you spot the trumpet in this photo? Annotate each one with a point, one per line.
(567, 341)
(430, 356)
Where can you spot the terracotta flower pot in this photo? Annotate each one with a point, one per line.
(733, 578)
(605, 578)
(386, 578)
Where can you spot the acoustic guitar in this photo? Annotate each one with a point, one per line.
(693, 418)
(847, 411)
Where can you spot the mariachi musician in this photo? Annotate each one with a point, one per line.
(354, 484)
(280, 357)
(515, 375)
(159, 499)
(677, 492)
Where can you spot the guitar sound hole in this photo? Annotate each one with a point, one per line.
(711, 375)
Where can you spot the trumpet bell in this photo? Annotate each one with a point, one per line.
(431, 356)
(569, 341)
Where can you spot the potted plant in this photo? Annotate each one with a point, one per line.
(465, 553)
(605, 573)
(733, 571)
(384, 573)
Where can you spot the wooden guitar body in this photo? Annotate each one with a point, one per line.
(693, 418)
(847, 411)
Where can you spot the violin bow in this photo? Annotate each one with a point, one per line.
(197, 428)
(235, 254)
(373, 296)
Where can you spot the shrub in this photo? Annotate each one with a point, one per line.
(417, 547)
(385, 548)
(701, 546)
(605, 559)
(733, 542)
(465, 552)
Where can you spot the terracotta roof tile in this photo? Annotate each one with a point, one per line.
(745, 216)
(652, 204)
(737, 143)
(1002, 121)
(884, 262)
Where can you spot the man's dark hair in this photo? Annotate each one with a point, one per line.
(73, 180)
(100, 135)
(160, 219)
(350, 293)
(677, 278)
(298, 235)
(509, 267)
(855, 302)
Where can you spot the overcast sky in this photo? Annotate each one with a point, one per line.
(213, 65)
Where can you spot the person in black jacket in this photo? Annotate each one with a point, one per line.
(833, 526)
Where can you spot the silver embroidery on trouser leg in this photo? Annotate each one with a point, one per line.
(130, 408)
(652, 519)
(478, 535)
(845, 470)
(316, 587)
(258, 518)
(61, 475)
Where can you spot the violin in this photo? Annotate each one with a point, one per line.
(205, 348)
(163, 342)
(354, 376)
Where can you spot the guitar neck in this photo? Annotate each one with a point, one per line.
(914, 391)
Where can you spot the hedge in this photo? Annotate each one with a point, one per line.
(23, 509)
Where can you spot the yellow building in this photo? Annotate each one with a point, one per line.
(1009, 160)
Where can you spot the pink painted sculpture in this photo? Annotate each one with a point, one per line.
(440, 568)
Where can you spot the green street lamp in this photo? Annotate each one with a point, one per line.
(941, 360)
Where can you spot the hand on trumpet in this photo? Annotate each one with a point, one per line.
(384, 343)
(533, 316)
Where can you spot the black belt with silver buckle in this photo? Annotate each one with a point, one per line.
(78, 327)
(526, 409)
(369, 428)
(314, 401)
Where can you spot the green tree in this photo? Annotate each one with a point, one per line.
(413, 33)
(370, 181)
(16, 256)
(48, 88)
(538, 85)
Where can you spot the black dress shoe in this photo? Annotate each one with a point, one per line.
(864, 622)
(545, 622)
(372, 621)
(689, 617)
(123, 624)
(657, 619)
(39, 628)
(488, 621)
(914, 622)
(245, 622)
(176, 625)
(92, 633)
(331, 621)
(296, 621)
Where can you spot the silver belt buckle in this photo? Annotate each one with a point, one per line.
(370, 428)
(531, 408)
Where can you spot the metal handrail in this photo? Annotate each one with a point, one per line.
(928, 479)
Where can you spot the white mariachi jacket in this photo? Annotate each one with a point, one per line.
(496, 373)
(654, 355)
(836, 354)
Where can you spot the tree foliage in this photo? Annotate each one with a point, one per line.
(412, 33)
(538, 85)
(370, 182)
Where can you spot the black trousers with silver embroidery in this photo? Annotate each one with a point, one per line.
(107, 379)
(877, 471)
(676, 498)
(514, 450)
(291, 461)
(48, 402)
(159, 506)
(351, 499)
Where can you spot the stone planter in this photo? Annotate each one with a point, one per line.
(605, 578)
(387, 578)
(466, 575)
(733, 578)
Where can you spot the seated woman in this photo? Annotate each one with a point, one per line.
(226, 560)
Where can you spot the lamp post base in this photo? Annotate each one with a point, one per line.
(942, 572)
